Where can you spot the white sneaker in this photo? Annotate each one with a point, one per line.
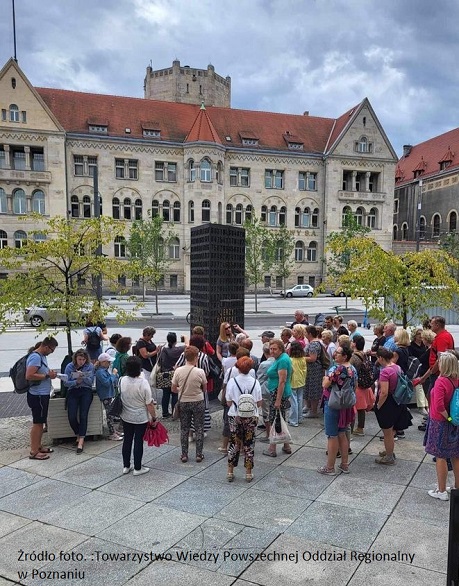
(448, 488)
(436, 494)
(127, 470)
(143, 470)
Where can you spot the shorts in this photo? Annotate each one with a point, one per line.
(331, 419)
(39, 405)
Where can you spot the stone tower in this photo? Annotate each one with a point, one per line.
(188, 85)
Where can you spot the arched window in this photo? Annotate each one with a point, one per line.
(205, 211)
(86, 206)
(394, 232)
(116, 208)
(39, 238)
(174, 249)
(20, 238)
(248, 213)
(75, 206)
(120, 247)
(138, 209)
(19, 202)
(358, 216)
(166, 211)
(154, 208)
(238, 215)
(345, 216)
(264, 214)
(312, 252)
(229, 213)
(282, 216)
(191, 170)
(422, 228)
(436, 225)
(404, 231)
(272, 219)
(191, 212)
(315, 218)
(176, 211)
(3, 202)
(372, 218)
(206, 171)
(127, 208)
(219, 172)
(3, 239)
(14, 113)
(452, 222)
(38, 202)
(299, 251)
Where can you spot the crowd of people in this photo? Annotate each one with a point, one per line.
(298, 377)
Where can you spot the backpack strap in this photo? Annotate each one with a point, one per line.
(247, 391)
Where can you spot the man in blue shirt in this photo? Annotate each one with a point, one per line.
(389, 331)
(39, 375)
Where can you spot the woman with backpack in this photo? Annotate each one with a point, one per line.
(243, 397)
(365, 397)
(92, 340)
(442, 437)
(122, 348)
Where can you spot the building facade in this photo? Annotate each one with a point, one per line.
(192, 165)
(426, 200)
(185, 84)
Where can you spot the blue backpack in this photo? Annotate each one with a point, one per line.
(404, 390)
(454, 407)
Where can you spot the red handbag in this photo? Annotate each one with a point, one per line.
(156, 434)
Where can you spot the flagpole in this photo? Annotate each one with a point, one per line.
(14, 31)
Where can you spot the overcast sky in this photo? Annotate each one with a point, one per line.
(324, 56)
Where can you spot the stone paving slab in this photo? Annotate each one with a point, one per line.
(338, 526)
(177, 574)
(152, 528)
(42, 498)
(410, 448)
(170, 462)
(331, 573)
(426, 477)
(308, 458)
(9, 523)
(12, 480)
(96, 571)
(217, 472)
(364, 466)
(57, 462)
(34, 537)
(199, 496)
(93, 512)
(297, 482)
(257, 509)
(349, 491)
(395, 574)
(8, 456)
(417, 504)
(143, 488)
(91, 473)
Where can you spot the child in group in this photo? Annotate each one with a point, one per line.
(298, 383)
(105, 387)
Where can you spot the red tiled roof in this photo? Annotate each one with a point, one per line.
(428, 155)
(187, 122)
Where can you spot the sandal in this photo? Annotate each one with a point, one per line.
(249, 477)
(344, 468)
(46, 450)
(200, 458)
(184, 458)
(326, 471)
(38, 456)
(230, 476)
(269, 453)
(287, 450)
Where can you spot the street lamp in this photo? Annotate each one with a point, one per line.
(99, 246)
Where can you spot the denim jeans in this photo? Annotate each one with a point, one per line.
(133, 432)
(79, 401)
(168, 395)
(296, 406)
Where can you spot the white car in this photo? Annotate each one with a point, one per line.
(298, 291)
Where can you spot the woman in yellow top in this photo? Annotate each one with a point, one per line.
(298, 382)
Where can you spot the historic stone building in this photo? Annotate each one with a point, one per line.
(191, 164)
(427, 192)
(182, 83)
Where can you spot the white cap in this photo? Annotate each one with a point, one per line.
(104, 357)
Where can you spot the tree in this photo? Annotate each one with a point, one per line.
(258, 253)
(283, 243)
(409, 283)
(450, 243)
(148, 245)
(57, 266)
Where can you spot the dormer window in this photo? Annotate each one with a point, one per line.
(293, 142)
(446, 160)
(250, 142)
(98, 128)
(151, 129)
(295, 146)
(417, 173)
(248, 138)
(444, 165)
(153, 133)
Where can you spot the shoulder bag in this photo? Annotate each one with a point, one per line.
(342, 397)
(176, 411)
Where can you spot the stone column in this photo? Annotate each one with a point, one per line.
(27, 158)
(354, 180)
(367, 181)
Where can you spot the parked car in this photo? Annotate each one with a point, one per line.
(298, 291)
(38, 315)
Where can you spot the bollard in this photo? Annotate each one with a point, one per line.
(452, 575)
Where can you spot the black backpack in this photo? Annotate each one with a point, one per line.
(93, 341)
(365, 372)
(18, 374)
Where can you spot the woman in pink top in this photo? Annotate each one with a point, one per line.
(442, 437)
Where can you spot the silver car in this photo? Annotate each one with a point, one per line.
(38, 315)
(299, 291)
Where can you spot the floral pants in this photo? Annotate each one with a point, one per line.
(242, 436)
